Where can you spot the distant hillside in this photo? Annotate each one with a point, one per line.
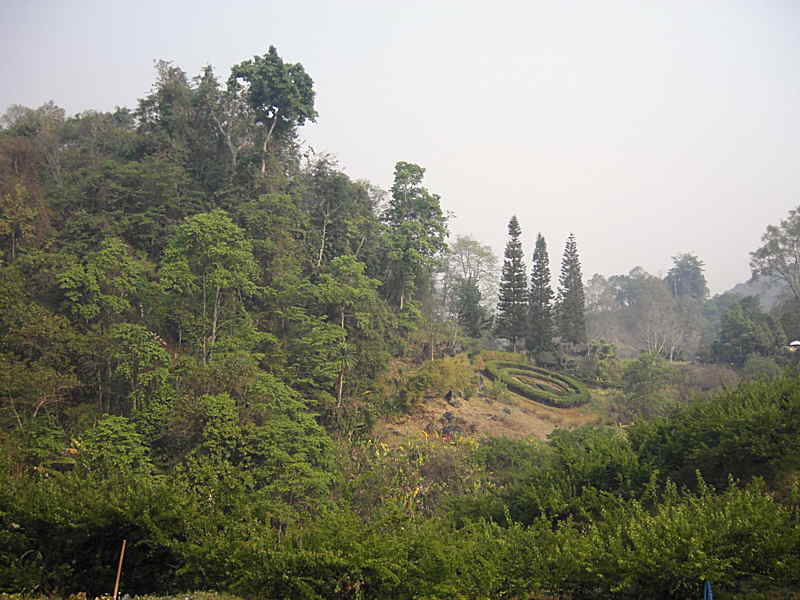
(769, 290)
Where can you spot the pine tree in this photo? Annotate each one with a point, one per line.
(571, 318)
(512, 307)
(540, 311)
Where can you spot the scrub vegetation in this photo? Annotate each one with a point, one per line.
(275, 381)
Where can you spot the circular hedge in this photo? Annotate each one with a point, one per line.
(537, 384)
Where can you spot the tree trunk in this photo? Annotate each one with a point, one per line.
(228, 140)
(264, 157)
(99, 391)
(16, 415)
(205, 337)
(214, 321)
(340, 387)
(322, 243)
(360, 245)
(266, 142)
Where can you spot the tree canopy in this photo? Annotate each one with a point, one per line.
(780, 255)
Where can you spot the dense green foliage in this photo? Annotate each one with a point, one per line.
(745, 330)
(686, 279)
(591, 513)
(200, 322)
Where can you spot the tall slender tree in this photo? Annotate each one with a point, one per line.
(281, 96)
(512, 307)
(416, 234)
(571, 318)
(540, 309)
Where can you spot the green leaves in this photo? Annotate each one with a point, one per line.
(104, 286)
(540, 304)
(18, 215)
(757, 423)
(209, 252)
(416, 232)
(779, 254)
(210, 264)
(277, 91)
(113, 444)
(745, 330)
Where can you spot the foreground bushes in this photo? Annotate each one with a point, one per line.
(751, 431)
(662, 544)
(586, 515)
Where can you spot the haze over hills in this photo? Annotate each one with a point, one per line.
(769, 291)
(664, 129)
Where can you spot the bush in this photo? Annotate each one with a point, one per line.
(753, 430)
(761, 367)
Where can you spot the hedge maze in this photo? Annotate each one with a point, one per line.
(538, 385)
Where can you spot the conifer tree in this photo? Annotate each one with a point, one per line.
(512, 307)
(571, 318)
(540, 311)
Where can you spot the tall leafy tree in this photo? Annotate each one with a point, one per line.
(17, 217)
(341, 212)
(571, 318)
(746, 330)
(780, 254)
(165, 115)
(222, 129)
(280, 94)
(210, 263)
(417, 231)
(512, 307)
(348, 296)
(643, 385)
(103, 285)
(540, 310)
(43, 128)
(469, 260)
(685, 279)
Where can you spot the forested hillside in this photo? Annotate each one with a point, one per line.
(203, 323)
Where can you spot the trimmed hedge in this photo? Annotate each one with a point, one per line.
(574, 394)
(539, 381)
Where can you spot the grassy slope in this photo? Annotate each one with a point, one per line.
(485, 415)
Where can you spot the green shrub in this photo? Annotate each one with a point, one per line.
(753, 430)
(574, 393)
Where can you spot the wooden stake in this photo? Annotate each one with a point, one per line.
(119, 568)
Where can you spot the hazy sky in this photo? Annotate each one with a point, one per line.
(646, 128)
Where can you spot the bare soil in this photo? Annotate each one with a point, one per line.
(482, 416)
